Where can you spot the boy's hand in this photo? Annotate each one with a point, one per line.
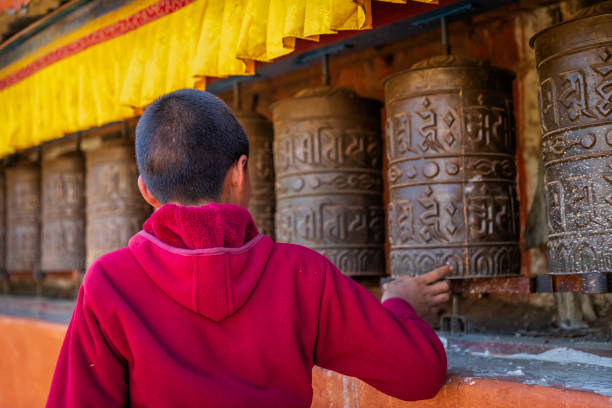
(423, 292)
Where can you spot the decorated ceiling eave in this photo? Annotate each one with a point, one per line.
(109, 68)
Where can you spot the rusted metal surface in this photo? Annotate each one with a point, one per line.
(328, 177)
(261, 168)
(505, 285)
(63, 213)
(574, 62)
(498, 285)
(590, 282)
(595, 282)
(452, 174)
(115, 208)
(23, 218)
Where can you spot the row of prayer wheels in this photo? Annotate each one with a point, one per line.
(450, 149)
(71, 205)
(450, 146)
(317, 172)
(79, 199)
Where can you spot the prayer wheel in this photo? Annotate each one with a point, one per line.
(261, 169)
(328, 177)
(574, 63)
(23, 218)
(115, 208)
(63, 212)
(451, 169)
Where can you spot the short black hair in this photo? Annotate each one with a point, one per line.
(186, 141)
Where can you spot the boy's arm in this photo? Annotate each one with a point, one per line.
(388, 346)
(88, 373)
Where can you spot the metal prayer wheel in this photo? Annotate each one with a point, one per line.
(261, 168)
(451, 169)
(574, 63)
(63, 211)
(23, 218)
(327, 159)
(115, 208)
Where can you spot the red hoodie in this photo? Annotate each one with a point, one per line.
(200, 310)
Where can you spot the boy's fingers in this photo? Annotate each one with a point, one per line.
(439, 287)
(441, 298)
(436, 274)
(403, 278)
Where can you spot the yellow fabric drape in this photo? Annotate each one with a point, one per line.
(112, 80)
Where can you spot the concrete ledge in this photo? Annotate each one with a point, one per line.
(30, 349)
(335, 390)
(39, 308)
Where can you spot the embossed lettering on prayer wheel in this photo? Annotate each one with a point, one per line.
(574, 62)
(115, 208)
(63, 213)
(452, 176)
(261, 169)
(23, 218)
(328, 177)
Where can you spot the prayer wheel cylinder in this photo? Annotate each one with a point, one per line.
(574, 63)
(63, 212)
(115, 209)
(261, 169)
(328, 177)
(451, 169)
(23, 218)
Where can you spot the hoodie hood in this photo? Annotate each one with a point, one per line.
(209, 258)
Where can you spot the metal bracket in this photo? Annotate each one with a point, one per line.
(321, 52)
(442, 12)
(456, 322)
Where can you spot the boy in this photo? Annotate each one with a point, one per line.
(202, 310)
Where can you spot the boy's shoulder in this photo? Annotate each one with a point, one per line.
(109, 269)
(297, 252)
(304, 260)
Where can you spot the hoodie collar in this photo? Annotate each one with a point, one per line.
(208, 226)
(208, 259)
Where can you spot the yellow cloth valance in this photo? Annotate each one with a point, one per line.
(117, 64)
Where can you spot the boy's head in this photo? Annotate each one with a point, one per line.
(191, 150)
